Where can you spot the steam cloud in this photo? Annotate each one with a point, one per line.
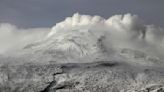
(13, 39)
(120, 31)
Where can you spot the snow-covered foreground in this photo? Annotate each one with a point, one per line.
(88, 54)
(102, 76)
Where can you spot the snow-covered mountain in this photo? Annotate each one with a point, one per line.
(82, 38)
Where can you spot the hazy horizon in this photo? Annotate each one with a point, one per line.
(46, 13)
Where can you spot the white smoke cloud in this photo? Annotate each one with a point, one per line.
(118, 26)
(12, 38)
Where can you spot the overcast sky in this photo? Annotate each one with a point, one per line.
(46, 13)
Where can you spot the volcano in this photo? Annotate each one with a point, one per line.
(88, 54)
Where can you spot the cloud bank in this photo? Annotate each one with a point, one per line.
(13, 38)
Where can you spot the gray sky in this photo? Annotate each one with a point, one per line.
(46, 13)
